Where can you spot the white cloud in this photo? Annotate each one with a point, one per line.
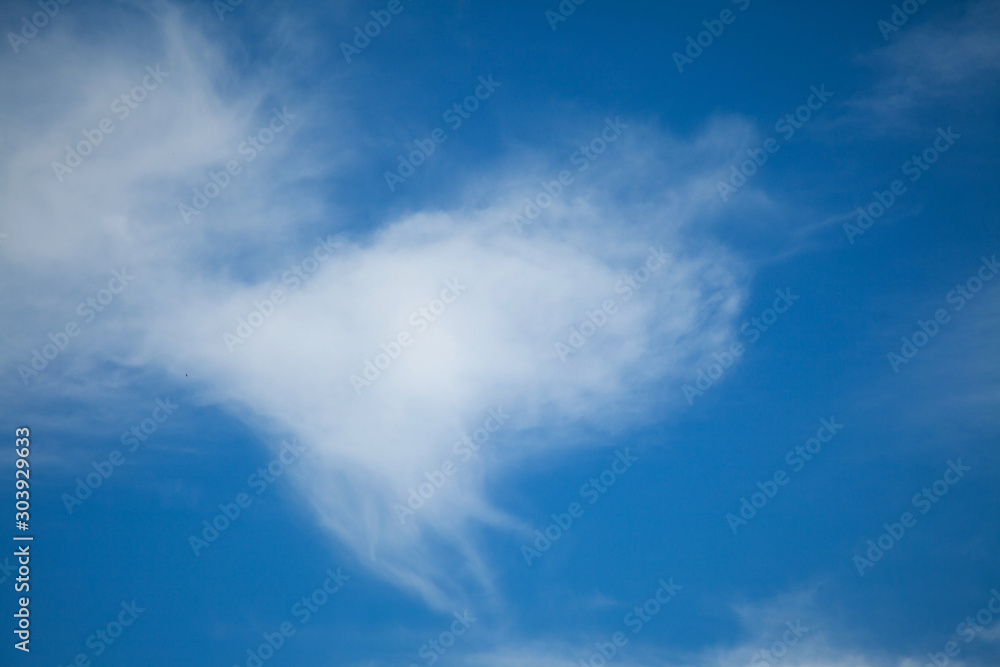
(926, 63)
(793, 625)
(495, 346)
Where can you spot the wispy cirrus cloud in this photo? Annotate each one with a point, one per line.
(932, 62)
(495, 346)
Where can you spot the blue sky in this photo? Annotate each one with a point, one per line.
(500, 340)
